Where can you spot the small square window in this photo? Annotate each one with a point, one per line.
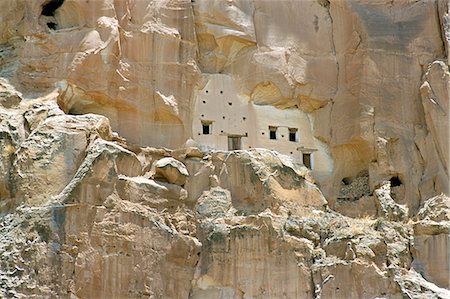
(293, 134)
(272, 132)
(207, 127)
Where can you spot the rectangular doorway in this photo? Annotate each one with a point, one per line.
(234, 143)
(307, 160)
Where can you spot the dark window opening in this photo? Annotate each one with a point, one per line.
(244, 118)
(223, 117)
(204, 102)
(206, 128)
(293, 134)
(206, 91)
(307, 160)
(234, 143)
(395, 181)
(221, 92)
(272, 132)
(49, 8)
(229, 103)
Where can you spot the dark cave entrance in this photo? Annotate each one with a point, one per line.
(395, 181)
(49, 8)
(346, 181)
(48, 11)
(52, 25)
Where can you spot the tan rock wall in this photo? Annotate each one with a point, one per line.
(354, 66)
(89, 212)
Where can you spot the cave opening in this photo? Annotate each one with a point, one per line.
(395, 181)
(347, 181)
(51, 25)
(50, 7)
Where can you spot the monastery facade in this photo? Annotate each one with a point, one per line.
(225, 120)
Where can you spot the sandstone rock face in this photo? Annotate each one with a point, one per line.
(351, 66)
(245, 224)
(117, 180)
(435, 93)
(431, 241)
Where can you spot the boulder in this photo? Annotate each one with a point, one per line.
(155, 194)
(172, 170)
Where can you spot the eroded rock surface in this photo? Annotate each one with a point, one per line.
(106, 193)
(431, 241)
(246, 224)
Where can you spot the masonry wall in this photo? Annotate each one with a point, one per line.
(232, 114)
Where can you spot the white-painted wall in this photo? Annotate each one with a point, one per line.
(212, 103)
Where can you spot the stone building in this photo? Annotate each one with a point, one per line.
(226, 120)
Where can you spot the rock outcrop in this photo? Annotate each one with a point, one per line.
(339, 65)
(106, 192)
(243, 224)
(431, 241)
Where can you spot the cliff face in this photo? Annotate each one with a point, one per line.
(107, 191)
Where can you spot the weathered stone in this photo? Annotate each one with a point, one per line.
(9, 98)
(172, 170)
(49, 158)
(356, 90)
(355, 276)
(214, 203)
(261, 179)
(432, 241)
(387, 207)
(97, 175)
(151, 193)
(435, 209)
(12, 134)
(231, 255)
